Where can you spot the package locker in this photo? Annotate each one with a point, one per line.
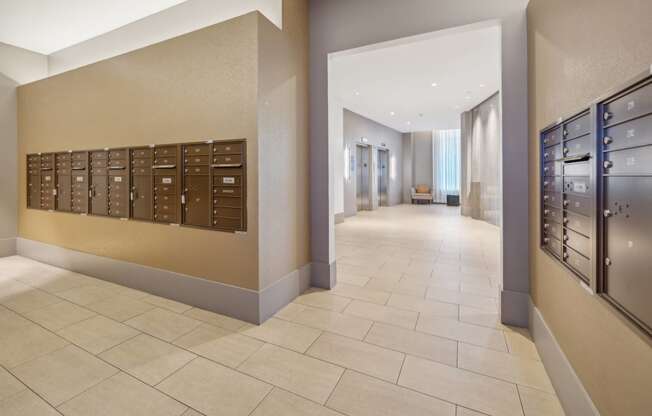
(625, 124)
(63, 167)
(228, 172)
(99, 183)
(196, 195)
(551, 191)
(80, 182)
(166, 184)
(142, 184)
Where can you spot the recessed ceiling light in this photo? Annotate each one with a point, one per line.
(468, 97)
(357, 93)
(434, 84)
(457, 107)
(408, 122)
(482, 85)
(391, 113)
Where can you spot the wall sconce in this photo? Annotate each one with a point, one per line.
(347, 163)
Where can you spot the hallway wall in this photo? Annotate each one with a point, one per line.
(357, 126)
(8, 166)
(569, 66)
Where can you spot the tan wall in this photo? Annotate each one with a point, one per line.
(197, 86)
(284, 244)
(577, 50)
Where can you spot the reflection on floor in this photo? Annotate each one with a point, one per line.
(411, 329)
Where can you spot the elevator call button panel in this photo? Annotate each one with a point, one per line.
(197, 184)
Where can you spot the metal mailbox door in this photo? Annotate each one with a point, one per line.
(142, 203)
(197, 196)
(64, 193)
(99, 195)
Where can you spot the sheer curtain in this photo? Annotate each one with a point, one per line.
(446, 163)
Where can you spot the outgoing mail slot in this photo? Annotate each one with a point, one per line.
(579, 263)
(578, 185)
(578, 204)
(637, 132)
(634, 104)
(552, 214)
(577, 169)
(223, 191)
(227, 148)
(578, 223)
(196, 170)
(552, 184)
(552, 153)
(227, 160)
(227, 202)
(579, 147)
(552, 169)
(196, 149)
(552, 137)
(553, 199)
(142, 153)
(578, 242)
(195, 160)
(629, 162)
(578, 127)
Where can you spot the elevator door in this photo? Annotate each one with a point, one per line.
(362, 162)
(383, 177)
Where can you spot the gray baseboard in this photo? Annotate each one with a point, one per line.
(324, 275)
(7, 247)
(514, 308)
(571, 392)
(245, 304)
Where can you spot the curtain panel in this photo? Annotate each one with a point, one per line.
(446, 164)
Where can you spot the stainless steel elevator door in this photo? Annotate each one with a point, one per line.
(362, 177)
(383, 177)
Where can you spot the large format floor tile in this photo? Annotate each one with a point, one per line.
(30, 300)
(59, 315)
(286, 334)
(26, 403)
(472, 334)
(216, 319)
(424, 306)
(122, 395)
(283, 403)
(381, 313)
(338, 323)
(63, 374)
(360, 395)
(539, 403)
(323, 299)
(468, 389)
(308, 377)
(97, 334)
(163, 324)
(357, 355)
(215, 390)
(9, 385)
(120, 308)
(361, 293)
(27, 343)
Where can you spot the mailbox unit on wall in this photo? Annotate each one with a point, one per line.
(568, 221)
(624, 126)
(198, 184)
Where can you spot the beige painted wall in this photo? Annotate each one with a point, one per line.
(577, 50)
(200, 85)
(284, 242)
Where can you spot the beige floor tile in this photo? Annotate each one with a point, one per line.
(63, 374)
(26, 343)
(282, 403)
(192, 412)
(9, 385)
(538, 403)
(462, 387)
(504, 366)
(461, 298)
(424, 306)
(360, 293)
(216, 319)
(58, 283)
(215, 390)
(463, 411)
(305, 376)
(335, 322)
(9, 289)
(360, 395)
(59, 315)
(380, 313)
(217, 344)
(413, 343)
(472, 334)
(519, 342)
(29, 300)
(285, 334)
(131, 293)
(323, 299)
(352, 279)
(26, 403)
(480, 317)
(169, 304)
(97, 334)
(10, 320)
(412, 287)
(480, 289)
(163, 324)
(120, 308)
(85, 295)
(147, 358)
(357, 355)
(288, 312)
(122, 395)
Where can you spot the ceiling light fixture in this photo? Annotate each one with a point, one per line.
(408, 122)
(391, 113)
(434, 84)
(357, 93)
(482, 85)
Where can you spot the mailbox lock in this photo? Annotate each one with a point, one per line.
(565, 220)
(607, 261)
(565, 133)
(545, 141)
(545, 197)
(607, 164)
(546, 212)
(565, 238)
(545, 155)
(545, 183)
(607, 140)
(565, 256)
(607, 213)
(546, 226)
(606, 115)
(546, 240)
(565, 150)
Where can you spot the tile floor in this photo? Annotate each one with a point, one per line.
(411, 329)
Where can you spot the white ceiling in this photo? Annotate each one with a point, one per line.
(392, 83)
(46, 26)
